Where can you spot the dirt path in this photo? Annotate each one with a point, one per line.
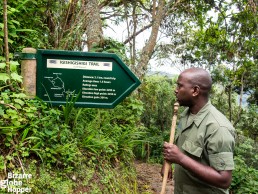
(150, 180)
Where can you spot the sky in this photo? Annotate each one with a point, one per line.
(119, 33)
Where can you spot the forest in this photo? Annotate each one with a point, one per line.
(69, 149)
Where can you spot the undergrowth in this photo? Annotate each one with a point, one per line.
(69, 151)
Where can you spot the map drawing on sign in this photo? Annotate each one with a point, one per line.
(59, 87)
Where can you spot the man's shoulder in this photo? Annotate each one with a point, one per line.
(217, 117)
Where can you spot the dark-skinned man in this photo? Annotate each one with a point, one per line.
(204, 142)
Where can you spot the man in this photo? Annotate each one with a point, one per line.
(204, 143)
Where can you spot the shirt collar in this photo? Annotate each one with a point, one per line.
(200, 115)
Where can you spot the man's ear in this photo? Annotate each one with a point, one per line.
(196, 90)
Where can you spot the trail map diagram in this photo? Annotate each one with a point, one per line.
(58, 86)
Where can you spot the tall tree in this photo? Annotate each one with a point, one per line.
(93, 25)
(212, 34)
(158, 14)
(139, 17)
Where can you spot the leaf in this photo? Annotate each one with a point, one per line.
(25, 132)
(16, 77)
(10, 41)
(37, 151)
(17, 106)
(24, 154)
(1, 111)
(19, 95)
(25, 30)
(13, 67)
(33, 138)
(16, 123)
(48, 132)
(19, 101)
(4, 77)
(2, 65)
(14, 63)
(15, 22)
(13, 34)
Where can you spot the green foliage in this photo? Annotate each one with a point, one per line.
(247, 150)
(91, 176)
(249, 122)
(118, 180)
(14, 134)
(245, 178)
(112, 46)
(69, 105)
(113, 133)
(29, 127)
(14, 76)
(45, 181)
(245, 174)
(158, 94)
(220, 100)
(25, 25)
(216, 35)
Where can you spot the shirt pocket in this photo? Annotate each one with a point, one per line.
(192, 148)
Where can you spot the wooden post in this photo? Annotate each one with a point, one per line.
(28, 71)
(171, 141)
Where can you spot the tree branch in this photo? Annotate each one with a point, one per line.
(137, 33)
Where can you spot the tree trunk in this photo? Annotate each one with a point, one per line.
(240, 99)
(148, 49)
(6, 41)
(93, 24)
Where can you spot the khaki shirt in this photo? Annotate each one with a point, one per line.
(208, 139)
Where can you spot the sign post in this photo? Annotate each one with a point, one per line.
(99, 80)
(28, 71)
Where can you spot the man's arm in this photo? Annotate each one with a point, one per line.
(221, 179)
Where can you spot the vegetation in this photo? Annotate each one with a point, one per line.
(79, 150)
(35, 139)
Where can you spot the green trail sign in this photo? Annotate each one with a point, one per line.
(99, 80)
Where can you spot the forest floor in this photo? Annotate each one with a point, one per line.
(150, 180)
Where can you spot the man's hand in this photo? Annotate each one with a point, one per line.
(172, 153)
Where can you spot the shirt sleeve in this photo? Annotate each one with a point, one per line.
(220, 149)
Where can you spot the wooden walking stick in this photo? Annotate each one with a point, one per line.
(171, 140)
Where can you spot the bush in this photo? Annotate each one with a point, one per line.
(30, 129)
(111, 132)
(245, 178)
(245, 174)
(36, 139)
(157, 93)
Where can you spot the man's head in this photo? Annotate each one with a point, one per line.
(193, 86)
